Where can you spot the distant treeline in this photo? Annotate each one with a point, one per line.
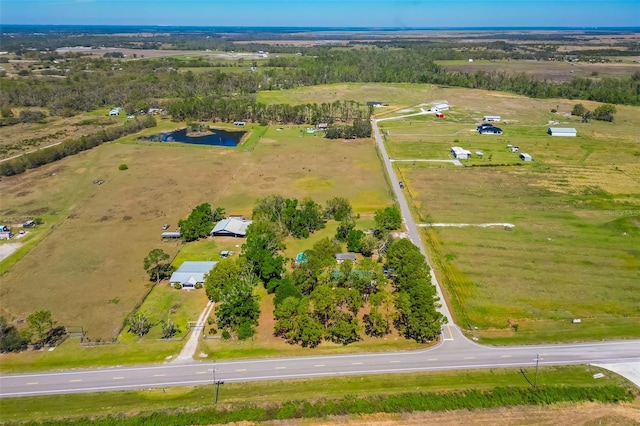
(72, 146)
(150, 80)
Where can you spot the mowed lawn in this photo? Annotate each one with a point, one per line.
(576, 209)
(88, 270)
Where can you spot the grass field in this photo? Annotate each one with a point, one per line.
(235, 394)
(88, 269)
(576, 211)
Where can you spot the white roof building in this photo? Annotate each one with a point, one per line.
(460, 153)
(231, 227)
(491, 118)
(190, 273)
(562, 131)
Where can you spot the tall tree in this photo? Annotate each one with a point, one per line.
(199, 223)
(156, 264)
(261, 251)
(40, 322)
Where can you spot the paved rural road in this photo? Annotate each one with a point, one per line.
(454, 352)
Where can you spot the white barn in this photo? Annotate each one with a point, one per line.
(525, 157)
(562, 131)
(491, 118)
(440, 107)
(460, 153)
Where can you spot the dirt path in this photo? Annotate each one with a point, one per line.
(462, 225)
(189, 349)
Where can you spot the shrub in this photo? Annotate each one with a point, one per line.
(123, 167)
(226, 335)
(177, 286)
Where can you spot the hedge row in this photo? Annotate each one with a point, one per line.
(407, 402)
(72, 146)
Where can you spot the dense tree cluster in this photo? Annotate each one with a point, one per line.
(290, 216)
(72, 146)
(40, 331)
(416, 300)
(360, 129)
(603, 112)
(200, 222)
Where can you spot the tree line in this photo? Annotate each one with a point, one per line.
(68, 147)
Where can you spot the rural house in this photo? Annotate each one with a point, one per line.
(341, 257)
(231, 227)
(191, 273)
(562, 131)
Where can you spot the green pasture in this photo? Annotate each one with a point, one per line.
(131, 403)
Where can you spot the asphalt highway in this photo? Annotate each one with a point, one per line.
(453, 352)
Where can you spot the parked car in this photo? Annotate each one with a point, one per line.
(401, 185)
(165, 226)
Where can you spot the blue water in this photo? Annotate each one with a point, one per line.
(218, 138)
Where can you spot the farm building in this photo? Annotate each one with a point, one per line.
(231, 227)
(490, 130)
(460, 153)
(114, 112)
(491, 118)
(374, 103)
(170, 235)
(341, 257)
(525, 157)
(562, 131)
(191, 273)
(440, 107)
(323, 126)
(239, 123)
(5, 232)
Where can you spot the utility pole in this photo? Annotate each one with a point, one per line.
(535, 380)
(216, 384)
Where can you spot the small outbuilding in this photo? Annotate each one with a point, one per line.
(562, 131)
(114, 112)
(191, 273)
(231, 227)
(440, 107)
(170, 235)
(491, 118)
(525, 157)
(376, 104)
(460, 153)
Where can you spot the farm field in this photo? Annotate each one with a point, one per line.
(576, 211)
(88, 270)
(546, 70)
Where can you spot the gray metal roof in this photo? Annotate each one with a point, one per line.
(190, 271)
(345, 256)
(563, 130)
(231, 226)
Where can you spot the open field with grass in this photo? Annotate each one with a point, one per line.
(261, 394)
(576, 211)
(547, 70)
(88, 269)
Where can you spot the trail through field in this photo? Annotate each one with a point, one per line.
(7, 250)
(417, 160)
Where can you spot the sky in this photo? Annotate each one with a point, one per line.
(326, 13)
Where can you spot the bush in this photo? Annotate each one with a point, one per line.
(177, 286)
(123, 167)
(226, 335)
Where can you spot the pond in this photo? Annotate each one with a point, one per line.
(215, 137)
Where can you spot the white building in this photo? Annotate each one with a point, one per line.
(440, 107)
(191, 273)
(491, 118)
(525, 157)
(460, 153)
(562, 131)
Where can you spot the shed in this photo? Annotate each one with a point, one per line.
(29, 224)
(374, 103)
(460, 153)
(562, 131)
(170, 234)
(323, 126)
(239, 123)
(525, 157)
(231, 227)
(341, 257)
(5, 235)
(440, 107)
(114, 112)
(191, 273)
(491, 118)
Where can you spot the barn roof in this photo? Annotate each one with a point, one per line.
(192, 272)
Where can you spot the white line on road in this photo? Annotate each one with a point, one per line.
(75, 381)
(159, 375)
(280, 368)
(319, 365)
(241, 369)
(118, 378)
(394, 361)
(505, 356)
(357, 363)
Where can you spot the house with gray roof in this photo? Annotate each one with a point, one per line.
(341, 257)
(191, 273)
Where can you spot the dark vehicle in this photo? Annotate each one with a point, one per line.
(401, 185)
